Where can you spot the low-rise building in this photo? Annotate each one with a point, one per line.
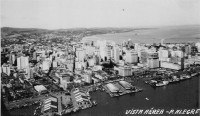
(170, 65)
(125, 71)
(49, 106)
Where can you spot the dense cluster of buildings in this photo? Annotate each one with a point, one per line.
(41, 69)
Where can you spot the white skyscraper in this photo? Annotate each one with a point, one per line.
(12, 59)
(80, 54)
(19, 63)
(29, 73)
(131, 56)
(152, 60)
(116, 54)
(87, 78)
(136, 46)
(55, 64)
(46, 65)
(109, 52)
(22, 62)
(163, 53)
(102, 52)
(6, 69)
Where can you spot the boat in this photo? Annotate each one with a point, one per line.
(147, 82)
(102, 89)
(188, 77)
(152, 82)
(94, 103)
(25, 105)
(184, 77)
(75, 109)
(116, 95)
(162, 83)
(194, 74)
(147, 98)
(139, 89)
(174, 80)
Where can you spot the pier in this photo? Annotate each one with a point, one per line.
(121, 89)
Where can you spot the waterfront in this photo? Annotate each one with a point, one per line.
(174, 96)
(179, 95)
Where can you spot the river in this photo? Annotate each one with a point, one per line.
(184, 94)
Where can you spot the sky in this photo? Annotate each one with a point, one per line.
(61, 14)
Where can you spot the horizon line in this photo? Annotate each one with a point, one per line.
(130, 27)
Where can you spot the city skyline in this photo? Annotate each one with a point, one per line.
(98, 13)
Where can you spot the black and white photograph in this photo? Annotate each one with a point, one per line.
(100, 57)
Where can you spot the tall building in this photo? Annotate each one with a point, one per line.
(136, 46)
(55, 64)
(46, 65)
(106, 49)
(12, 59)
(80, 54)
(102, 51)
(109, 52)
(97, 59)
(179, 53)
(131, 57)
(116, 54)
(106, 52)
(188, 49)
(91, 62)
(22, 62)
(125, 71)
(87, 78)
(153, 61)
(80, 65)
(163, 53)
(194, 50)
(198, 46)
(6, 68)
(34, 56)
(29, 72)
(143, 57)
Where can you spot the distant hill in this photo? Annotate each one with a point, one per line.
(10, 30)
(170, 34)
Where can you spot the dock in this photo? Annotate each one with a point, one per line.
(122, 90)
